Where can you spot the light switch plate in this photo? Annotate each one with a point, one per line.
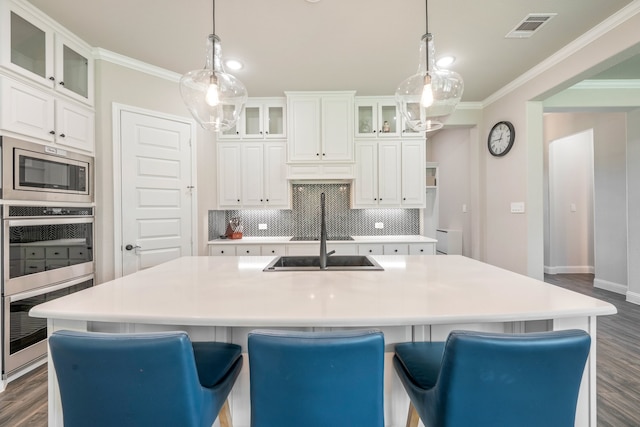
(262, 226)
(517, 207)
(379, 224)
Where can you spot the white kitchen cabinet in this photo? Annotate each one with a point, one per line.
(253, 175)
(229, 176)
(222, 250)
(406, 131)
(264, 180)
(38, 114)
(39, 51)
(449, 242)
(377, 117)
(413, 174)
(273, 250)
(395, 249)
(377, 174)
(389, 174)
(261, 118)
(248, 250)
(320, 126)
(370, 249)
(422, 249)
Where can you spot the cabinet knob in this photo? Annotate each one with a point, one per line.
(267, 132)
(62, 135)
(324, 154)
(61, 83)
(53, 79)
(404, 198)
(421, 250)
(318, 154)
(221, 252)
(52, 132)
(395, 250)
(261, 200)
(237, 132)
(238, 200)
(248, 252)
(375, 131)
(267, 200)
(370, 251)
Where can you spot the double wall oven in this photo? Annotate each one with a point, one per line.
(47, 241)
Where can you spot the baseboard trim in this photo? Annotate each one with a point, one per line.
(569, 269)
(610, 286)
(633, 297)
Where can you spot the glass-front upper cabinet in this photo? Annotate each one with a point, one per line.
(262, 118)
(32, 48)
(406, 129)
(376, 117)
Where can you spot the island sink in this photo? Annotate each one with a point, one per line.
(334, 263)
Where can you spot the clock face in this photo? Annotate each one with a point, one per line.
(501, 138)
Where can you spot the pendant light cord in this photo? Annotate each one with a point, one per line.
(426, 20)
(214, 17)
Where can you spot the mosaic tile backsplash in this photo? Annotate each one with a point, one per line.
(304, 217)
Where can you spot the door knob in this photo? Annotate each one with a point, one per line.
(130, 247)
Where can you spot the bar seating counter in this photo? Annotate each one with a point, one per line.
(417, 298)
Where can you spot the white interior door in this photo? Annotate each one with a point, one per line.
(156, 190)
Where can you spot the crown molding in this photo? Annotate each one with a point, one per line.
(608, 84)
(134, 64)
(596, 32)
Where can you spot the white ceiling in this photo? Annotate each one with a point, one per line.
(366, 45)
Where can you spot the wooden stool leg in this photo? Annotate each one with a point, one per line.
(412, 417)
(225, 415)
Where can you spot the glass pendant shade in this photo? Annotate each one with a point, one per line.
(213, 97)
(429, 96)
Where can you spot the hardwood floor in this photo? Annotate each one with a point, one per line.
(24, 402)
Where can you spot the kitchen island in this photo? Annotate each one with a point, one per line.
(414, 298)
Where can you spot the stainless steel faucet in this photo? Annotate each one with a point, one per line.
(323, 236)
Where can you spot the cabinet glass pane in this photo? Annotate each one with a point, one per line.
(28, 44)
(388, 113)
(252, 120)
(228, 112)
(365, 119)
(76, 72)
(414, 107)
(276, 121)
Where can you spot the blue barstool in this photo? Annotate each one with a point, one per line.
(159, 378)
(316, 379)
(488, 379)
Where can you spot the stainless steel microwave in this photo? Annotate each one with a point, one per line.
(41, 172)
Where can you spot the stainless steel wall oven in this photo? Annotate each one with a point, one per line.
(47, 253)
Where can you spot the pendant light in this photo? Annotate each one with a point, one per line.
(214, 97)
(429, 96)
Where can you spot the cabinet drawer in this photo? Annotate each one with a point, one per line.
(248, 250)
(56, 263)
(33, 266)
(273, 249)
(393, 249)
(222, 250)
(34, 253)
(303, 249)
(56, 252)
(422, 249)
(79, 253)
(370, 249)
(342, 249)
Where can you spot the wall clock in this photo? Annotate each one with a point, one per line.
(501, 138)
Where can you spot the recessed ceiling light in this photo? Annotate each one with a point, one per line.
(445, 61)
(233, 64)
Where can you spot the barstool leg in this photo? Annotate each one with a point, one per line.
(225, 415)
(412, 417)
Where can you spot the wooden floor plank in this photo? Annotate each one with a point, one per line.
(24, 402)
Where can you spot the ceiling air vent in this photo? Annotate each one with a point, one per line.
(529, 25)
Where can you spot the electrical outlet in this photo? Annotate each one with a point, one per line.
(379, 224)
(262, 226)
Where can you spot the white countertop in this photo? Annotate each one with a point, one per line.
(356, 239)
(234, 291)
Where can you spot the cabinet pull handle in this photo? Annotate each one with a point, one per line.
(52, 132)
(56, 253)
(61, 83)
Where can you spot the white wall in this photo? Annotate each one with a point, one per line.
(119, 84)
(451, 150)
(633, 197)
(570, 228)
(515, 241)
(610, 182)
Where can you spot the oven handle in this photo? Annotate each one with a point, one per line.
(47, 289)
(48, 221)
